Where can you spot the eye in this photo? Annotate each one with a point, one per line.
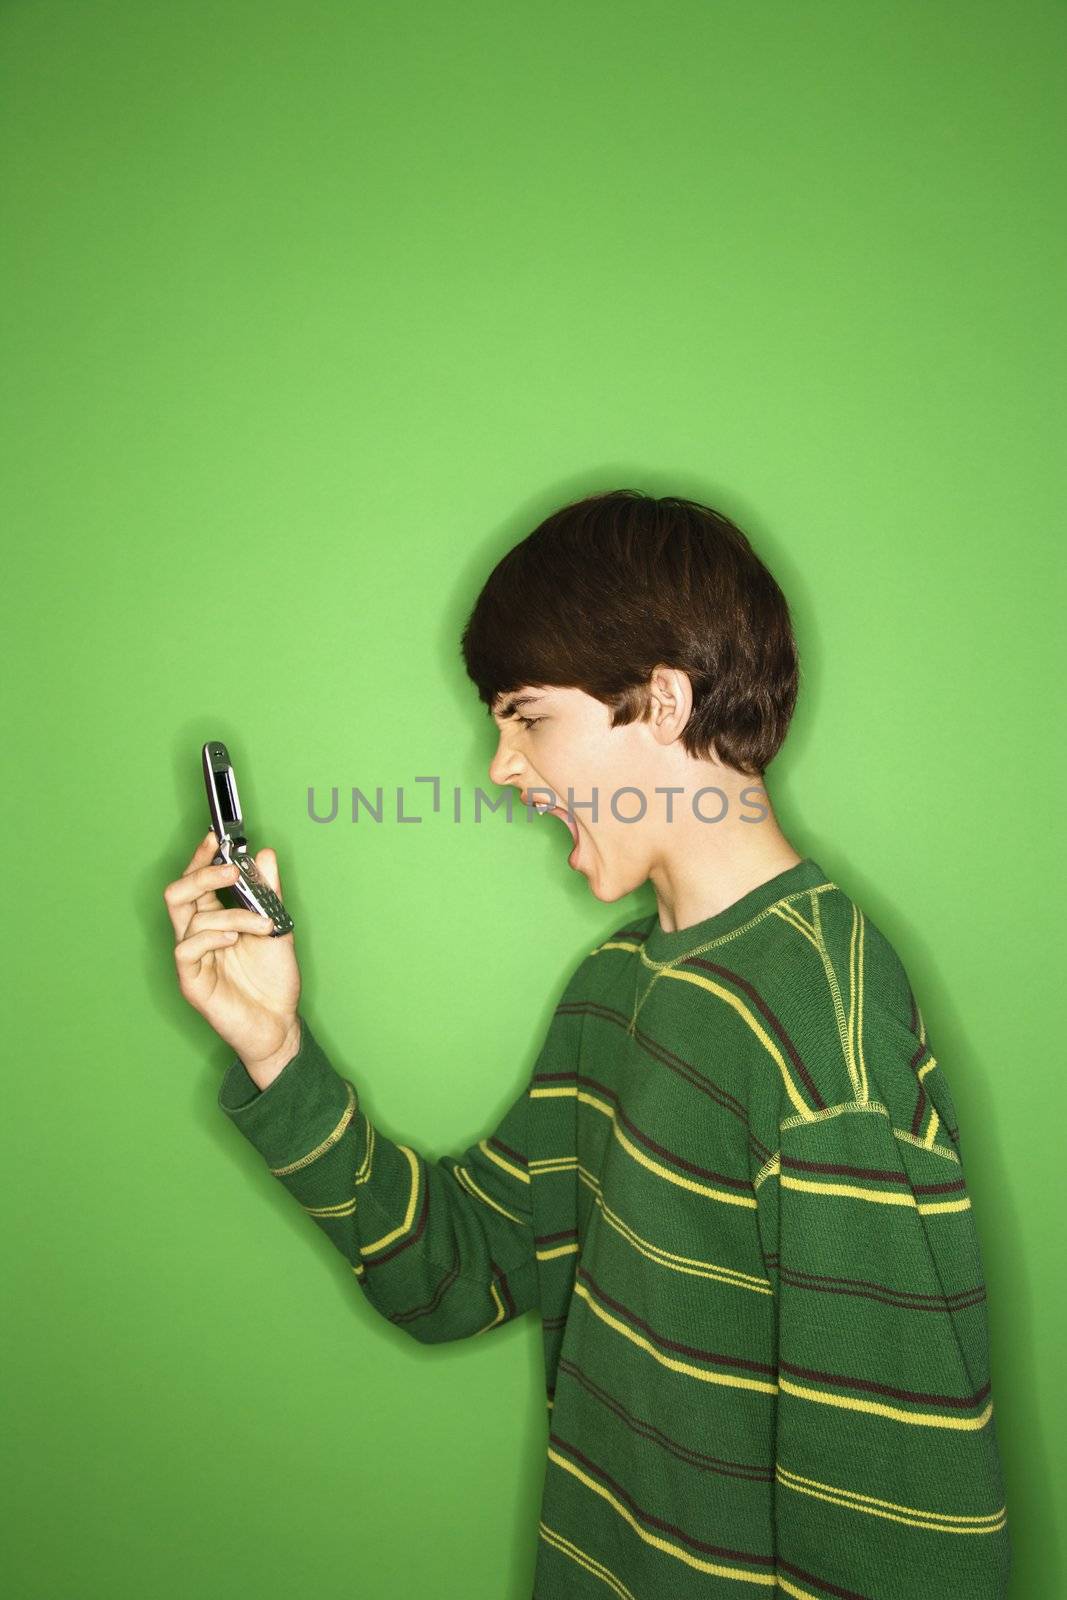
(528, 722)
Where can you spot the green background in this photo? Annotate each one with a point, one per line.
(310, 311)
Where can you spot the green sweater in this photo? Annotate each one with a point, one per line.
(733, 1189)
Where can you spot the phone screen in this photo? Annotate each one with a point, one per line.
(226, 795)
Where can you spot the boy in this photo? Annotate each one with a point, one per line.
(733, 1184)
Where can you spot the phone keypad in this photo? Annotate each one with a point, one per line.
(264, 894)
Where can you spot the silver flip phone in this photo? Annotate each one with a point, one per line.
(228, 825)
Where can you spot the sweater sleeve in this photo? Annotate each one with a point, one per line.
(887, 1473)
(442, 1248)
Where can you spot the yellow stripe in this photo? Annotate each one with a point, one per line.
(879, 1196)
(878, 1409)
(827, 1112)
(551, 1164)
(654, 1166)
(935, 1149)
(746, 1016)
(729, 1379)
(835, 992)
(790, 914)
(864, 1088)
(344, 1208)
(614, 944)
(330, 1139)
(551, 1094)
(653, 1539)
(464, 1177)
(911, 1516)
(666, 968)
(516, 1172)
(878, 1109)
(558, 1250)
(769, 1169)
(735, 933)
(363, 1171)
(668, 1258)
(597, 1568)
(795, 1590)
(852, 992)
(405, 1226)
(499, 1311)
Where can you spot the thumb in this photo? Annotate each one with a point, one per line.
(267, 862)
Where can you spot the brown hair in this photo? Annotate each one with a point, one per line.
(607, 588)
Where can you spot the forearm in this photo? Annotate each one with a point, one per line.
(441, 1249)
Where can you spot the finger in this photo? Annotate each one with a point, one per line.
(189, 953)
(239, 919)
(204, 851)
(267, 862)
(195, 891)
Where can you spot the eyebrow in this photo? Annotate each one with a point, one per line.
(509, 708)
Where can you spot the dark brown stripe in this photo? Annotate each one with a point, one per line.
(610, 1014)
(431, 1305)
(768, 1015)
(954, 1186)
(660, 1149)
(694, 1458)
(676, 1064)
(958, 1402)
(506, 1150)
(551, 1238)
(505, 1292)
(713, 1357)
(904, 1298)
(919, 1053)
(822, 1584)
(849, 1172)
(920, 1104)
(652, 1521)
(413, 1237)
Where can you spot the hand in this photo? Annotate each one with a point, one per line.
(245, 982)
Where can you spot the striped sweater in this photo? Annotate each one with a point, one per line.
(733, 1189)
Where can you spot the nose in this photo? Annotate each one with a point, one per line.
(506, 764)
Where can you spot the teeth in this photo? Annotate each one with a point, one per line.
(545, 807)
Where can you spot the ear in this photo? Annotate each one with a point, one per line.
(670, 701)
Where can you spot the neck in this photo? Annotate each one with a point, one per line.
(703, 867)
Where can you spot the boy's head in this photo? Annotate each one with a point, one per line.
(660, 649)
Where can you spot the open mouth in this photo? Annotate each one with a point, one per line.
(558, 811)
(545, 810)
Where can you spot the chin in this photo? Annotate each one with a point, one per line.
(610, 892)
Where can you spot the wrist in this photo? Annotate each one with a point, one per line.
(263, 1072)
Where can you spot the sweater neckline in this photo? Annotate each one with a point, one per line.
(662, 946)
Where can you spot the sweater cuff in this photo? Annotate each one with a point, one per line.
(306, 1107)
